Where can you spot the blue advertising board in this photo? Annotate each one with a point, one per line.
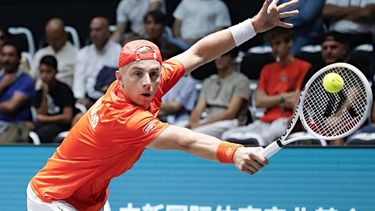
(297, 179)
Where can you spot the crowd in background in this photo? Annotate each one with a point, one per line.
(42, 97)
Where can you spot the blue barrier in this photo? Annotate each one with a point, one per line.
(297, 179)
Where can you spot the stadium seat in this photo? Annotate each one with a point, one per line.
(361, 58)
(255, 113)
(361, 139)
(306, 142)
(24, 37)
(311, 54)
(73, 37)
(254, 60)
(204, 71)
(251, 65)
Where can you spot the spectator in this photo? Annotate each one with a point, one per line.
(101, 55)
(335, 48)
(131, 12)
(195, 19)
(61, 48)
(154, 25)
(367, 132)
(278, 89)
(3, 38)
(308, 24)
(223, 98)
(179, 102)
(16, 92)
(54, 102)
(352, 18)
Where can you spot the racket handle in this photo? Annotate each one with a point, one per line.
(270, 150)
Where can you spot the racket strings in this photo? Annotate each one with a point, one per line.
(333, 115)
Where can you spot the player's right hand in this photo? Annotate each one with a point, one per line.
(249, 159)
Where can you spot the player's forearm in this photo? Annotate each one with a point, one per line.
(201, 145)
(218, 43)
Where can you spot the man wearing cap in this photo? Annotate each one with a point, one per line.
(113, 133)
(335, 48)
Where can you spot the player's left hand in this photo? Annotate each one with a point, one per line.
(249, 160)
(271, 13)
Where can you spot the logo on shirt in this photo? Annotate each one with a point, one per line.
(149, 127)
(94, 117)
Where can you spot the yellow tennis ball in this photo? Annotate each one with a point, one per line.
(333, 82)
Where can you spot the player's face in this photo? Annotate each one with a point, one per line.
(333, 51)
(47, 73)
(139, 81)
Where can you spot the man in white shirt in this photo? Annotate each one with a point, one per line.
(195, 19)
(61, 48)
(353, 18)
(103, 52)
(133, 11)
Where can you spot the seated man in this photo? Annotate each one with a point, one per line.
(224, 98)
(154, 25)
(60, 47)
(179, 102)
(54, 102)
(129, 17)
(194, 19)
(278, 89)
(101, 55)
(16, 91)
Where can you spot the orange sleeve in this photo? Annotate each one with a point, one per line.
(140, 129)
(172, 71)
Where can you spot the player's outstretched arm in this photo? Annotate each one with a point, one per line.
(218, 43)
(246, 159)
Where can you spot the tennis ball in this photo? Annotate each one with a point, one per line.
(333, 82)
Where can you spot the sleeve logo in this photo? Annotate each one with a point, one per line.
(149, 128)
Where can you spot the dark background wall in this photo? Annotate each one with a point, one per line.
(35, 13)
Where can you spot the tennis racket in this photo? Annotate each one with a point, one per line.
(326, 115)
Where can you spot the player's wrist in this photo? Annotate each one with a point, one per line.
(226, 150)
(242, 32)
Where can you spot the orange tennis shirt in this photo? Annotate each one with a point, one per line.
(276, 79)
(106, 142)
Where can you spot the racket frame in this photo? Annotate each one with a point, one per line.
(275, 146)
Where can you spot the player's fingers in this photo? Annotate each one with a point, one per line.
(288, 14)
(285, 25)
(248, 169)
(287, 5)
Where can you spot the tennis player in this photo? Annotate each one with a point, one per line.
(111, 136)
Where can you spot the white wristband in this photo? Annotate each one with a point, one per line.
(242, 32)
